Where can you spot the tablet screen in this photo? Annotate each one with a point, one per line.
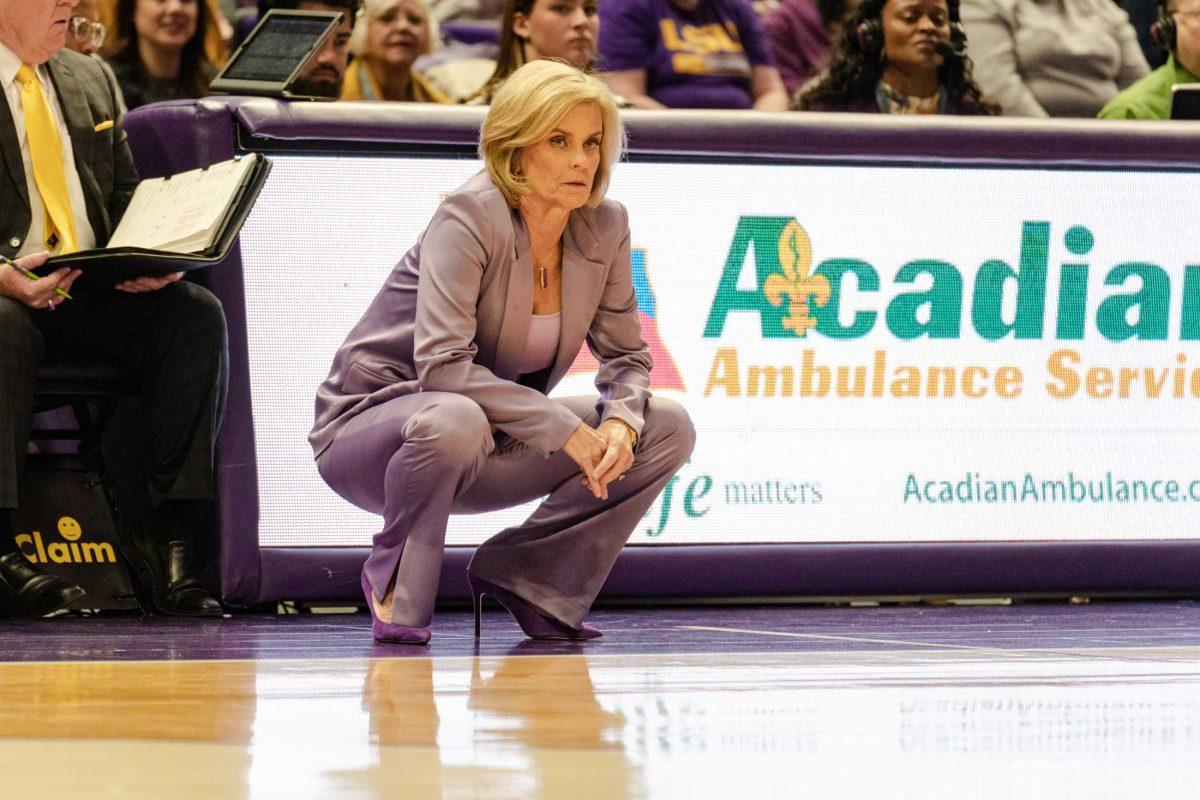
(276, 48)
(1185, 102)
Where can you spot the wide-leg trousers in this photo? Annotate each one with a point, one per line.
(416, 459)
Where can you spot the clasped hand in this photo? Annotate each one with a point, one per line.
(604, 454)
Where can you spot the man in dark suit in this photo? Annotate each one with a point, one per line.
(66, 177)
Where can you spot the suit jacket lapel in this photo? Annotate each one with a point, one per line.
(518, 304)
(75, 109)
(10, 144)
(582, 285)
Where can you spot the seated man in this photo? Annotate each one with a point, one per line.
(1178, 32)
(322, 75)
(66, 177)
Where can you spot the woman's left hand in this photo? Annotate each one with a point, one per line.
(618, 457)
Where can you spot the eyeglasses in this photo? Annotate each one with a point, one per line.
(85, 30)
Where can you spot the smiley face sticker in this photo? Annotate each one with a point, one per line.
(69, 529)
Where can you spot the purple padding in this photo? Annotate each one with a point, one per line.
(865, 137)
(811, 570)
(266, 121)
(172, 137)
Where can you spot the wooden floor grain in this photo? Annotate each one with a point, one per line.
(963, 723)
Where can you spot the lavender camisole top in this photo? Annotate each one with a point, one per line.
(541, 348)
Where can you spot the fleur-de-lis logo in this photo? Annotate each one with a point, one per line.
(797, 281)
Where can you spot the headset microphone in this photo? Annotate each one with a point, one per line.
(947, 49)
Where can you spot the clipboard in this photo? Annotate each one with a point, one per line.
(112, 265)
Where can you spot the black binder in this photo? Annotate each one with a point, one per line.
(112, 265)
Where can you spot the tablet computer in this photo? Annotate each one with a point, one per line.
(275, 53)
(1185, 101)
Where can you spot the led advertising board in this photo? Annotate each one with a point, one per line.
(869, 354)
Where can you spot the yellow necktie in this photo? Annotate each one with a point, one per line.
(46, 152)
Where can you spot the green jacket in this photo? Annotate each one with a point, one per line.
(1149, 98)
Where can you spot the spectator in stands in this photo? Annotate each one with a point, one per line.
(387, 38)
(800, 32)
(1178, 32)
(218, 32)
(324, 72)
(900, 57)
(535, 29)
(689, 54)
(85, 31)
(1065, 58)
(158, 50)
(86, 35)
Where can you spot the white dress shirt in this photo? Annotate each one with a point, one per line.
(35, 239)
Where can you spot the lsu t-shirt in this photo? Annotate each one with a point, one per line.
(702, 58)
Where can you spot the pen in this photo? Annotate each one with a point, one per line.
(60, 292)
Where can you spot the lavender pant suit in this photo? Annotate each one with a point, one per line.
(424, 412)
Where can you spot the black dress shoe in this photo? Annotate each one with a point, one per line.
(165, 572)
(28, 592)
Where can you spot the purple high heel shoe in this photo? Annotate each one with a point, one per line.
(388, 631)
(534, 623)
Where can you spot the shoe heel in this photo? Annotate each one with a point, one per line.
(477, 606)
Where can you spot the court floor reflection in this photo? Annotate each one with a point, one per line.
(970, 723)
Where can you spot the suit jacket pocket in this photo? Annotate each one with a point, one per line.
(363, 379)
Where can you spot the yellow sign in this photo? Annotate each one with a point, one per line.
(71, 551)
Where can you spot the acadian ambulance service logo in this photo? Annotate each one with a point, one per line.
(1021, 297)
(69, 550)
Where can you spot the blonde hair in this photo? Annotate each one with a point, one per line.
(372, 10)
(527, 107)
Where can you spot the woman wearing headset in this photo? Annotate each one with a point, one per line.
(899, 57)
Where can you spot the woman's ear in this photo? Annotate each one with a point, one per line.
(520, 26)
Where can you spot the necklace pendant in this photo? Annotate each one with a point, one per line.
(542, 277)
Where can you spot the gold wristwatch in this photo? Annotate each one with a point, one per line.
(632, 432)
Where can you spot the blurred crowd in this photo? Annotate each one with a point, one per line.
(1114, 59)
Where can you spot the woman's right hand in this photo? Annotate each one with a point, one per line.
(39, 294)
(586, 447)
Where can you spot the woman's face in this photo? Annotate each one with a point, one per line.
(911, 30)
(561, 169)
(398, 35)
(565, 29)
(169, 24)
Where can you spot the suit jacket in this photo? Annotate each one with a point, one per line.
(454, 315)
(102, 155)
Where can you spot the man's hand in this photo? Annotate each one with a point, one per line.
(148, 284)
(39, 294)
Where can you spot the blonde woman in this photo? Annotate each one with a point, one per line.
(388, 37)
(437, 401)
